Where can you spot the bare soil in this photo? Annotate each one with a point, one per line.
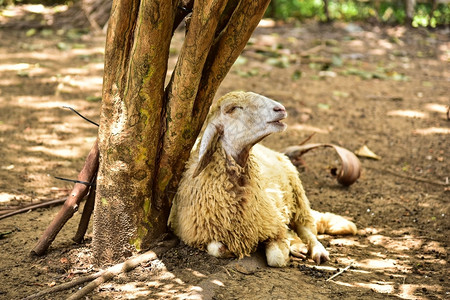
(387, 88)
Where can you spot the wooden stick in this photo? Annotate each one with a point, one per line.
(105, 275)
(340, 272)
(413, 178)
(13, 212)
(124, 267)
(87, 212)
(71, 204)
(65, 286)
(308, 138)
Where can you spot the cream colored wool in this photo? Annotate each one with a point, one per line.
(225, 204)
(240, 206)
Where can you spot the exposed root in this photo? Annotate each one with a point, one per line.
(103, 276)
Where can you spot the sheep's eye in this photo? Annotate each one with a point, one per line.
(231, 109)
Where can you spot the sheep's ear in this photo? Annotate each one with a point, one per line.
(207, 146)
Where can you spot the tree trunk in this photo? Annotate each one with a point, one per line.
(147, 129)
(409, 9)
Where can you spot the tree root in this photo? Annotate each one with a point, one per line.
(87, 174)
(103, 276)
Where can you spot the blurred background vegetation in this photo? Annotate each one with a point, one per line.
(424, 13)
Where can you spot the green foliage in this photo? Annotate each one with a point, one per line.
(388, 11)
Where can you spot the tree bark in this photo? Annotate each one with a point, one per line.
(147, 130)
(137, 49)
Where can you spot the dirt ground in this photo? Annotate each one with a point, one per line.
(352, 85)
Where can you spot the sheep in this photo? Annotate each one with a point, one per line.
(236, 193)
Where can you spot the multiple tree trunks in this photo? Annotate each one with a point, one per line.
(148, 128)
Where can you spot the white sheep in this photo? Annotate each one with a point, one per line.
(236, 193)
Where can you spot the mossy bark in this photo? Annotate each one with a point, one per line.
(147, 129)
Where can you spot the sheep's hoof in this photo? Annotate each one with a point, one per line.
(319, 254)
(299, 250)
(277, 254)
(217, 249)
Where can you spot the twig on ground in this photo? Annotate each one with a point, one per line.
(340, 272)
(31, 207)
(105, 275)
(413, 178)
(65, 286)
(308, 138)
(228, 273)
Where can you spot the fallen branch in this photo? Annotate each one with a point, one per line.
(85, 217)
(80, 190)
(31, 207)
(105, 275)
(340, 272)
(66, 286)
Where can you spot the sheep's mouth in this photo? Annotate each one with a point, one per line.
(278, 122)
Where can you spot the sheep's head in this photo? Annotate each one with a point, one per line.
(238, 121)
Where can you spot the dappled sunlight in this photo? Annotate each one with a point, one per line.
(64, 152)
(157, 282)
(94, 82)
(305, 127)
(379, 287)
(408, 114)
(434, 246)
(6, 127)
(397, 246)
(347, 242)
(401, 290)
(432, 130)
(407, 291)
(14, 67)
(434, 107)
(6, 197)
(38, 102)
(393, 266)
(385, 44)
(406, 242)
(381, 264)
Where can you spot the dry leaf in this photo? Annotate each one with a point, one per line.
(350, 169)
(51, 284)
(64, 260)
(364, 151)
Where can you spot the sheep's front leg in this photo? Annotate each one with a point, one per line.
(316, 250)
(277, 252)
(217, 249)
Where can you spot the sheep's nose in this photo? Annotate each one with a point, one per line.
(279, 108)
